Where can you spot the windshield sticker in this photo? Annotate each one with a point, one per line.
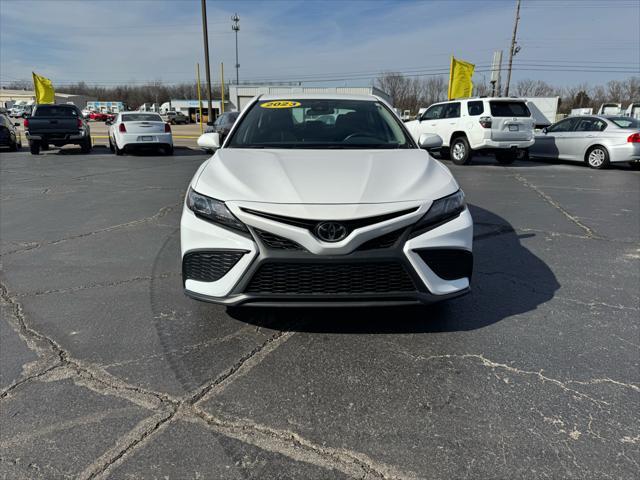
(280, 104)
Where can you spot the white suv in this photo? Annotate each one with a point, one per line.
(503, 126)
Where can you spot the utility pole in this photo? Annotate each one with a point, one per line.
(514, 48)
(222, 86)
(205, 34)
(199, 96)
(236, 28)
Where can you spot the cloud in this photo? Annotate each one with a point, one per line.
(135, 41)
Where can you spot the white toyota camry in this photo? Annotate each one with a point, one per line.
(324, 200)
(131, 130)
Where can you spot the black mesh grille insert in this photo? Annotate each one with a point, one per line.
(384, 241)
(277, 242)
(209, 266)
(330, 279)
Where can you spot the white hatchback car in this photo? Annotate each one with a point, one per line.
(292, 210)
(502, 126)
(131, 130)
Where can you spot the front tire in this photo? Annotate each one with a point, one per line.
(34, 147)
(597, 157)
(168, 150)
(13, 147)
(119, 152)
(111, 146)
(459, 151)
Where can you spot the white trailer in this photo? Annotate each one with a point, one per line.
(610, 109)
(581, 111)
(543, 109)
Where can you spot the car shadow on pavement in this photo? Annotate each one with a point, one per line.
(508, 280)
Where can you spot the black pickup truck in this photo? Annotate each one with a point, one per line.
(57, 125)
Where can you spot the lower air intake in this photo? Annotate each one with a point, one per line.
(330, 279)
(209, 266)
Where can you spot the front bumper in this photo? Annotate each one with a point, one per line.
(402, 272)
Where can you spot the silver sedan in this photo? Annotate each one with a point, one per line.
(596, 140)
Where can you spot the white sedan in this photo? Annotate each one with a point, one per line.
(292, 210)
(130, 130)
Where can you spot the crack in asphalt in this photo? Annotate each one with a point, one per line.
(114, 283)
(518, 371)
(159, 214)
(588, 230)
(292, 445)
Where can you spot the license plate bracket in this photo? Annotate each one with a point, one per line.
(513, 128)
(146, 138)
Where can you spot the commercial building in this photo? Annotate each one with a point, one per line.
(9, 98)
(107, 107)
(190, 108)
(240, 95)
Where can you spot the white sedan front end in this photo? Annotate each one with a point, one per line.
(307, 225)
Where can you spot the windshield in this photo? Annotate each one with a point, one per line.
(625, 122)
(314, 123)
(55, 111)
(141, 117)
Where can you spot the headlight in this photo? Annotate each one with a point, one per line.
(442, 210)
(213, 210)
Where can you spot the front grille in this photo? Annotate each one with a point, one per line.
(350, 225)
(277, 242)
(384, 241)
(209, 266)
(330, 279)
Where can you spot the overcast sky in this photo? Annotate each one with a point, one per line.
(326, 42)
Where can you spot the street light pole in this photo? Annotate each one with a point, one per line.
(205, 35)
(236, 28)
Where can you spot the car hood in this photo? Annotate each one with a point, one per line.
(298, 176)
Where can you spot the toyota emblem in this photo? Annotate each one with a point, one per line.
(330, 231)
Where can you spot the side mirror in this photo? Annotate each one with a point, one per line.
(209, 140)
(108, 122)
(544, 130)
(430, 141)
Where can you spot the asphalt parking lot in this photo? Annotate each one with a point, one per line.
(109, 371)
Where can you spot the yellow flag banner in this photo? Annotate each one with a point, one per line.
(43, 88)
(460, 85)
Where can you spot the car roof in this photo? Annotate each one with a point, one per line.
(320, 96)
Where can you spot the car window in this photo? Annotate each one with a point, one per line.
(509, 109)
(434, 112)
(625, 122)
(563, 126)
(141, 117)
(55, 111)
(590, 125)
(452, 110)
(294, 123)
(475, 108)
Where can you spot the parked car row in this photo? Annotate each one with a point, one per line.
(59, 125)
(505, 127)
